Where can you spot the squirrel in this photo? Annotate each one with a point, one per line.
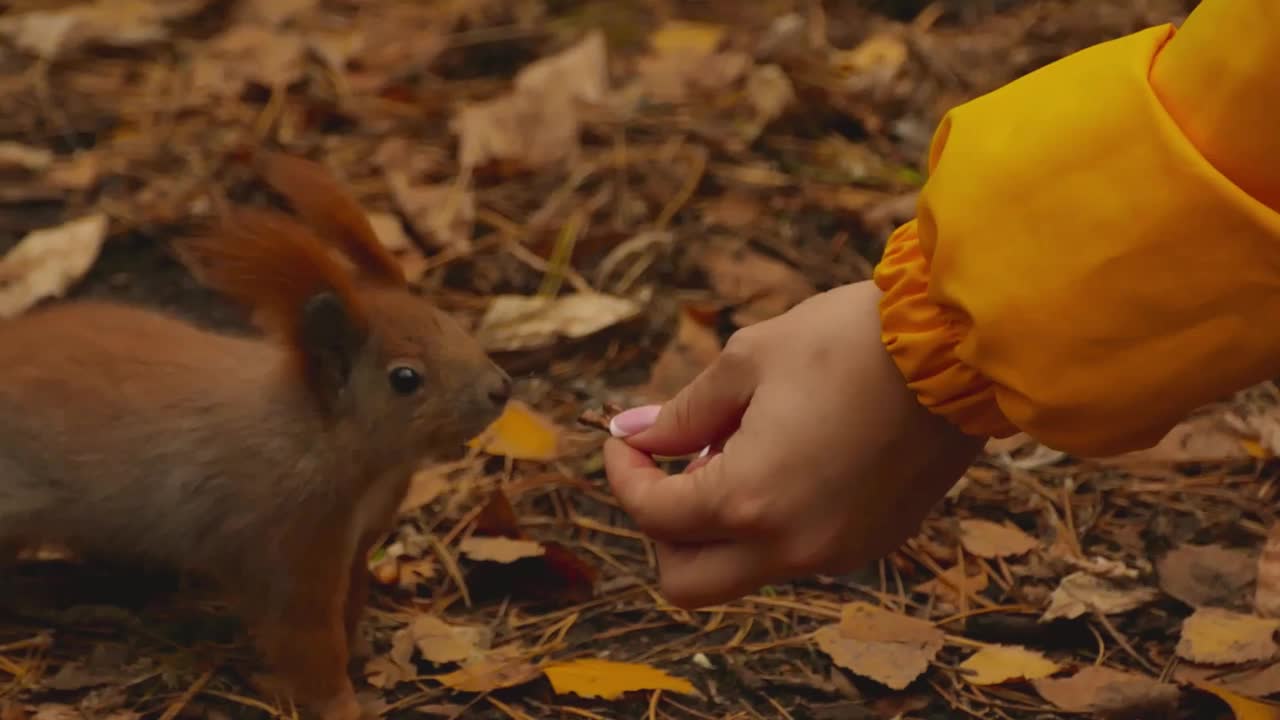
(271, 462)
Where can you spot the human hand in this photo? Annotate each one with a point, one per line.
(828, 460)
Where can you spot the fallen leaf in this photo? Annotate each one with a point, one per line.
(246, 54)
(944, 586)
(537, 124)
(761, 286)
(274, 13)
(1207, 437)
(440, 642)
(1220, 637)
(425, 486)
(1200, 575)
(520, 433)
(887, 647)
(680, 36)
(24, 157)
(873, 62)
(414, 572)
(387, 671)
(995, 664)
(116, 23)
(520, 322)
(444, 215)
(500, 668)
(770, 92)
(1246, 680)
(56, 711)
(500, 549)
(106, 664)
(390, 232)
(1242, 708)
(46, 263)
(79, 172)
(1266, 597)
(1080, 593)
(693, 348)
(990, 540)
(1108, 693)
(609, 680)
(732, 210)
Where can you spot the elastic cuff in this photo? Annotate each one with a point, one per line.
(921, 337)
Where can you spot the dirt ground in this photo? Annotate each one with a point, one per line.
(707, 164)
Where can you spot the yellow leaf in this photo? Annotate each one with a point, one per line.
(1242, 708)
(521, 434)
(608, 679)
(680, 36)
(995, 664)
(1221, 637)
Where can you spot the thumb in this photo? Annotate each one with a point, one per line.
(703, 413)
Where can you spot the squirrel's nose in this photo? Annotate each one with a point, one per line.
(500, 392)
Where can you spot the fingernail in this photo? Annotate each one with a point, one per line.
(705, 452)
(630, 422)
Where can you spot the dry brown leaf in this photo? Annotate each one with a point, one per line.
(391, 234)
(732, 210)
(24, 157)
(440, 642)
(770, 92)
(990, 540)
(1108, 693)
(500, 549)
(116, 23)
(1200, 575)
(1080, 593)
(1207, 437)
(387, 671)
(521, 433)
(1246, 680)
(887, 647)
(694, 347)
(79, 172)
(56, 711)
(247, 54)
(881, 55)
(1266, 599)
(425, 486)
(1213, 636)
(521, 322)
(592, 678)
(995, 664)
(944, 586)
(500, 668)
(444, 215)
(762, 286)
(273, 13)
(537, 124)
(46, 263)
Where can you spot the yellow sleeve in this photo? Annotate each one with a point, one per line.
(1096, 252)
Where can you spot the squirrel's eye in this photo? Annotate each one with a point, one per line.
(405, 380)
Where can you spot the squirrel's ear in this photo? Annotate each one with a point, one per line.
(329, 341)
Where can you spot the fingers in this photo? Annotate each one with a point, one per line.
(696, 576)
(705, 411)
(683, 508)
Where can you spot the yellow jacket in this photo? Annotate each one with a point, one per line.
(1096, 252)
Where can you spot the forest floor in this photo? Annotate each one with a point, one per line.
(633, 180)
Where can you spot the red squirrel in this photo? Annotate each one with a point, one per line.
(270, 463)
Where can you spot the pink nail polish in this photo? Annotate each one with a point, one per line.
(630, 422)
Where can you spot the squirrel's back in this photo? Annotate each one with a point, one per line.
(114, 428)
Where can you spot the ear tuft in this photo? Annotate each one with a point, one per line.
(275, 266)
(331, 211)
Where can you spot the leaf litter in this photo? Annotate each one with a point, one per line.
(605, 192)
